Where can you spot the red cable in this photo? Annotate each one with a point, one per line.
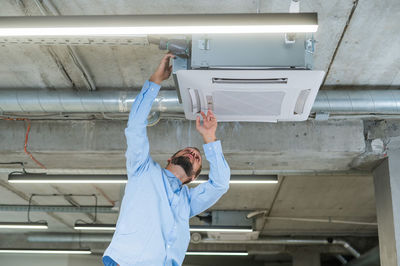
(26, 138)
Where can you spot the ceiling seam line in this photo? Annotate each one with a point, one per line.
(268, 212)
(353, 9)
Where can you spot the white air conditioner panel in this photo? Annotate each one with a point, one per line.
(250, 95)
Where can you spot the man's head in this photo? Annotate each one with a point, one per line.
(190, 160)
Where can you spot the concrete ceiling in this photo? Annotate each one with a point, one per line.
(322, 165)
(365, 57)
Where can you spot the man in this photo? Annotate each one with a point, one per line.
(153, 225)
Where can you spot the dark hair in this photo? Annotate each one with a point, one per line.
(201, 165)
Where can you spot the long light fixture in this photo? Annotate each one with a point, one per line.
(18, 225)
(95, 227)
(122, 179)
(193, 228)
(214, 253)
(46, 251)
(133, 25)
(73, 179)
(243, 179)
(222, 229)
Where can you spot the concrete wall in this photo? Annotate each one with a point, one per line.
(316, 145)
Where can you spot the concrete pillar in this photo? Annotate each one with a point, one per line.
(306, 257)
(387, 197)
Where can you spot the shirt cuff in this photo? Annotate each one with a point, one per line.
(152, 88)
(212, 148)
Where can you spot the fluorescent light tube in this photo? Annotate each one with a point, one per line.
(194, 228)
(45, 251)
(69, 179)
(222, 229)
(212, 253)
(241, 179)
(94, 227)
(135, 31)
(133, 25)
(17, 225)
(122, 179)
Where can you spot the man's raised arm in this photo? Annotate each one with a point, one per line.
(205, 195)
(137, 153)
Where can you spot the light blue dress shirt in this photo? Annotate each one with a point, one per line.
(153, 224)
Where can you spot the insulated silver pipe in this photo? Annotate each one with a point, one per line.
(358, 101)
(120, 101)
(68, 101)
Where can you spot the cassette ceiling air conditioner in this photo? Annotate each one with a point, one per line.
(249, 78)
(250, 95)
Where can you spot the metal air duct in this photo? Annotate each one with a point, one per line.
(107, 101)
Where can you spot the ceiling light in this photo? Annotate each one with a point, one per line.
(133, 25)
(12, 225)
(94, 227)
(193, 228)
(46, 251)
(43, 178)
(222, 229)
(122, 179)
(241, 179)
(213, 253)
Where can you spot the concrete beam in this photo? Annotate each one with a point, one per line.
(387, 195)
(311, 145)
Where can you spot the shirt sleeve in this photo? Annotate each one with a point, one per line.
(138, 151)
(207, 194)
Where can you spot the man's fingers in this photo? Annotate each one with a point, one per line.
(203, 115)
(198, 122)
(165, 60)
(167, 57)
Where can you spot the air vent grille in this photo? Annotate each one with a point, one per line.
(245, 103)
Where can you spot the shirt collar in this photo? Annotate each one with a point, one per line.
(175, 183)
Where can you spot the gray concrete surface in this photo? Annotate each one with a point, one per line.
(387, 194)
(101, 144)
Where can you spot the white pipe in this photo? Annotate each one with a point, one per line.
(286, 241)
(68, 237)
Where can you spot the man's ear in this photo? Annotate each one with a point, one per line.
(169, 160)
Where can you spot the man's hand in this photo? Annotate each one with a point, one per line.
(163, 71)
(208, 128)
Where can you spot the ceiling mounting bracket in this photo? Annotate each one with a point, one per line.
(310, 45)
(294, 7)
